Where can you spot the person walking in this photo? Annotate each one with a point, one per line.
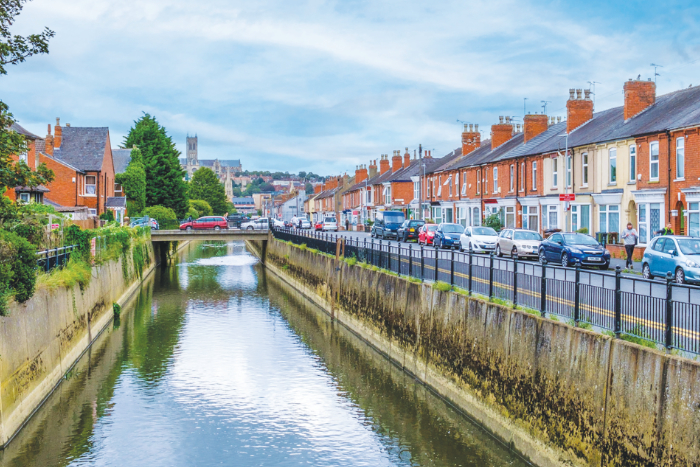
(347, 224)
(631, 238)
(665, 231)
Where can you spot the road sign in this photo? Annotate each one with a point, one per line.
(567, 197)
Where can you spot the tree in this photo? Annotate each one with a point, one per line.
(309, 188)
(202, 207)
(160, 213)
(16, 49)
(165, 185)
(133, 181)
(206, 185)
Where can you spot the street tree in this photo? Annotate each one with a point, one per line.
(205, 185)
(165, 185)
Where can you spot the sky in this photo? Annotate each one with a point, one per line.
(323, 86)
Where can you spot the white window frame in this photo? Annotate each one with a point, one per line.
(478, 182)
(692, 222)
(555, 172)
(88, 185)
(457, 184)
(680, 156)
(612, 166)
(534, 175)
(495, 180)
(464, 184)
(550, 209)
(24, 197)
(584, 169)
(509, 217)
(569, 171)
(387, 194)
(486, 181)
(606, 210)
(439, 192)
(633, 163)
(512, 177)
(120, 190)
(449, 186)
(522, 176)
(92, 212)
(653, 160)
(531, 211)
(577, 214)
(23, 157)
(416, 190)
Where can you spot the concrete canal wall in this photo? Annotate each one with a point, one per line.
(42, 339)
(556, 394)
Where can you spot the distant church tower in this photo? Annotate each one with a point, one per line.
(192, 158)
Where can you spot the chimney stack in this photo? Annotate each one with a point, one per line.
(58, 134)
(406, 159)
(638, 96)
(534, 125)
(373, 168)
(396, 162)
(471, 139)
(501, 132)
(48, 143)
(384, 164)
(578, 110)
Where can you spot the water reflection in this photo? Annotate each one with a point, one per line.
(217, 363)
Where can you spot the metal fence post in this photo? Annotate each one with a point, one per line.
(364, 248)
(491, 275)
(577, 294)
(669, 310)
(471, 258)
(381, 253)
(371, 259)
(543, 288)
(452, 267)
(618, 302)
(422, 264)
(410, 261)
(437, 263)
(515, 282)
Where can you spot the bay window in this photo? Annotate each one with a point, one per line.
(609, 218)
(476, 217)
(550, 216)
(510, 217)
(694, 219)
(654, 161)
(416, 190)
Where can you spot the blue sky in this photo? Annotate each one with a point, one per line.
(325, 85)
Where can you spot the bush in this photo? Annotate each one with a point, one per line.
(442, 286)
(107, 215)
(202, 207)
(582, 230)
(17, 269)
(193, 213)
(493, 221)
(31, 230)
(160, 213)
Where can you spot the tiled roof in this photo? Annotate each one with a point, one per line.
(121, 158)
(32, 189)
(83, 148)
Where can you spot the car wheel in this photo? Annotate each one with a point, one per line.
(250, 227)
(189, 227)
(498, 251)
(604, 267)
(542, 257)
(564, 259)
(646, 272)
(514, 253)
(217, 228)
(680, 276)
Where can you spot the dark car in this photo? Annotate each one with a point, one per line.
(409, 229)
(387, 223)
(235, 220)
(574, 248)
(447, 236)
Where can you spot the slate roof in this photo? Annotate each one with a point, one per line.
(210, 162)
(83, 147)
(19, 129)
(121, 158)
(115, 202)
(243, 200)
(32, 189)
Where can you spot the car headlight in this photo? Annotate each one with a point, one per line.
(576, 251)
(606, 252)
(691, 264)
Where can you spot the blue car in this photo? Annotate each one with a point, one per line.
(675, 254)
(447, 236)
(574, 248)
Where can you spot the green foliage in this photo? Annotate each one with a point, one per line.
(117, 309)
(165, 185)
(493, 221)
(76, 271)
(160, 213)
(107, 215)
(640, 336)
(583, 230)
(205, 185)
(30, 229)
(193, 213)
(442, 286)
(351, 261)
(133, 181)
(17, 268)
(15, 49)
(201, 207)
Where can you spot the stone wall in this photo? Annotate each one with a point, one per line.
(41, 339)
(557, 394)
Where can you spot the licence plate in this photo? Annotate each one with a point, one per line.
(413, 230)
(595, 259)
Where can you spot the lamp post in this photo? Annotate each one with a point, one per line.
(421, 175)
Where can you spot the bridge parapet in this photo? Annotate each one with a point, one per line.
(195, 235)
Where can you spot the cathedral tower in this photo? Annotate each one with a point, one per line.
(192, 158)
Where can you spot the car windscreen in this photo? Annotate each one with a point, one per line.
(485, 231)
(432, 228)
(689, 246)
(579, 239)
(330, 219)
(452, 228)
(519, 235)
(416, 223)
(394, 217)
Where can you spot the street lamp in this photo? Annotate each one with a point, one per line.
(420, 182)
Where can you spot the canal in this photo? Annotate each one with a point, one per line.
(217, 362)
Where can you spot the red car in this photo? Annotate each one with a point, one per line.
(426, 234)
(207, 222)
(318, 225)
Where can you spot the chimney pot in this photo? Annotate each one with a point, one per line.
(571, 93)
(476, 127)
(500, 119)
(465, 127)
(578, 94)
(558, 119)
(587, 93)
(68, 125)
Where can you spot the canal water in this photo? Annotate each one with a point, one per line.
(218, 363)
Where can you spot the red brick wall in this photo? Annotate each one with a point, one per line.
(534, 125)
(471, 139)
(500, 133)
(63, 188)
(578, 111)
(638, 96)
(401, 191)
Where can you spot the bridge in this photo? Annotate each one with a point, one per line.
(207, 235)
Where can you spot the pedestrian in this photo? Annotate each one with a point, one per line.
(347, 224)
(665, 231)
(631, 238)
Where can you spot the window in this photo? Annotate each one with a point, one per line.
(495, 180)
(609, 218)
(464, 184)
(510, 216)
(449, 185)
(90, 183)
(512, 177)
(92, 212)
(680, 158)
(522, 176)
(23, 157)
(654, 161)
(439, 192)
(478, 182)
(550, 217)
(568, 171)
(584, 169)
(457, 184)
(117, 189)
(633, 163)
(416, 190)
(534, 175)
(437, 215)
(555, 172)
(476, 217)
(486, 182)
(368, 195)
(462, 214)
(530, 217)
(648, 220)
(24, 197)
(612, 164)
(694, 219)
(581, 217)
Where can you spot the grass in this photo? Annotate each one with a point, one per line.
(351, 261)
(442, 286)
(76, 271)
(415, 280)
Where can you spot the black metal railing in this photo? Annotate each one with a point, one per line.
(53, 258)
(662, 312)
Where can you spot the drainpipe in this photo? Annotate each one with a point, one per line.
(668, 158)
(517, 187)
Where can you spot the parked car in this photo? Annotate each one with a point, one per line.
(318, 225)
(387, 223)
(206, 222)
(675, 254)
(261, 223)
(235, 220)
(304, 224)
(426, 234)
(142, 223)
(518, 243)
(479, 239)
(278, 223)
(409, 229)
(329, 223)
(574, 248)
(447, 235)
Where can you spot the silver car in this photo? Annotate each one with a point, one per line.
(518, 243)
(261, 223)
